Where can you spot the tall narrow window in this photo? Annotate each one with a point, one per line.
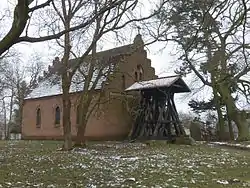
(140, 76)
(57, 115)
(123, 82)
(38, 118)
(136, 76)
(78, 114)
(140, 70)
(139, 73)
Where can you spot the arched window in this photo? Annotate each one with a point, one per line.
(139, 73)
(140, 76)
(38, 118)
(78, 114)
(140, 70)
(57, 115)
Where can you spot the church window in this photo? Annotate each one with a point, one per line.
(38, 118)
(136, 76)
(140, 76)
(123, 82)
(139, 73)
(57, 115)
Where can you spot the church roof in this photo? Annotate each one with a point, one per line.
(175, 82)
(52, 86)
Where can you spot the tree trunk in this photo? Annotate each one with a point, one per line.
(80, 137)
(242, 125)
(20, 118)
(5, 121)
(66, 82)
(235, 115)
(231, 132)
(84, 108)
(86, 97)
(213, 61)
(243, 132)
(221, 124)
(10, 112)
(66, 120)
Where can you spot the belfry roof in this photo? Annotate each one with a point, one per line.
(174, 82)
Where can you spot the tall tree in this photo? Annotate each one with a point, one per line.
(212, 39)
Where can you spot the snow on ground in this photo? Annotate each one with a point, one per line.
(242, 145)
(39, 164)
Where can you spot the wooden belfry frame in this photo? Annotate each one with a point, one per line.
(157, 117)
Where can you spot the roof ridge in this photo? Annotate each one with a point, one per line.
(158, 78)
(123, 46)
(177, 75)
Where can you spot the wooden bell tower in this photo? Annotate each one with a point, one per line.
(157, 118)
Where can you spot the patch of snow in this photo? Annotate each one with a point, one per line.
(219, 143)
(131, 179)
(224, 182)
(52, 85)
(199, 173)
(192, 181)
(231, 144)
(130, 158)
(160, 82)
(175, 186)
(209, 165)
(91, 186)
(236, 180)
(38, 185)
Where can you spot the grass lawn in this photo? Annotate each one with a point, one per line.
(39, 164)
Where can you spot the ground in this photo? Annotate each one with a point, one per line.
(109, 164)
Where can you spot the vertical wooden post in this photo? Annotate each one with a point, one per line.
(157, 116)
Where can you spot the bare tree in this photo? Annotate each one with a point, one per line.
(15, 87)
(21, 15)
(109, 16)
(24, 14)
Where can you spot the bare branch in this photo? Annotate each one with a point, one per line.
(47, 3)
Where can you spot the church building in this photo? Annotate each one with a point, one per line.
(43, 113)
